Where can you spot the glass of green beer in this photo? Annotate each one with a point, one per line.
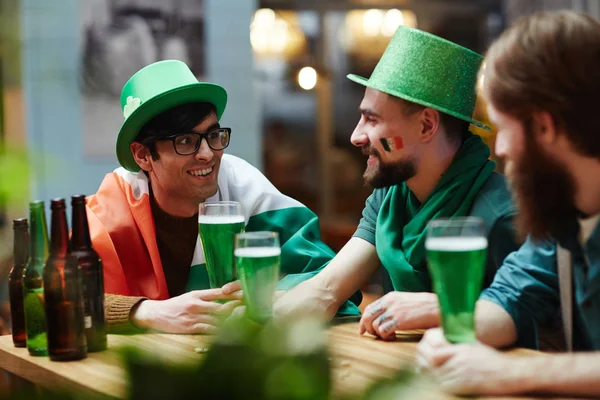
(218, 223)
(456, 255)
(257, 258)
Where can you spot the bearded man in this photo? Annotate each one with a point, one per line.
(541, 83)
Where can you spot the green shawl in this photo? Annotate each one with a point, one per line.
(402, 220)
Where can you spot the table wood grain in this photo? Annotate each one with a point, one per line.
(358, 362)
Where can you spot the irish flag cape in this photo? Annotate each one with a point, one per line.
(123, 232)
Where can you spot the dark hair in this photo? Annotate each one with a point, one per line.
(549, 62)
(456, 128)
(181, 118)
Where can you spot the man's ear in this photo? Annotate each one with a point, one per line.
(430, 122)
(141, 155)
(544, 128)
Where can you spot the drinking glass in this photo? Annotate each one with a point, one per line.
(218, 223)
(257, 259)
(456, 255)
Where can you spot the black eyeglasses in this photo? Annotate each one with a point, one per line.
(189, 143)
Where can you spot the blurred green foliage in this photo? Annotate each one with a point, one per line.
(15, 174)
(19, 167)
(247, 361)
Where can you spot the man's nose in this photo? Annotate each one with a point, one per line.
(204, 151)
(501, 145)
(359, 138)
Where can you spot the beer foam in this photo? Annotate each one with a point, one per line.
(257, 252)
(467, 243)
(220, 219)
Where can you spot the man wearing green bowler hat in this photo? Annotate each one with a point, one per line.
(423, 164)
(144, 218)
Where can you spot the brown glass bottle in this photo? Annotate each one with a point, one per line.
(91, 272)
(63, 293)
(15, 281)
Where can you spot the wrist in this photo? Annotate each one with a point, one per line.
(432, 310)
(524, 375)
(140, 315)
(328, 293)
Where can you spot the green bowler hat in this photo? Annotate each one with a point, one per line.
(428, 70)
(154, 89)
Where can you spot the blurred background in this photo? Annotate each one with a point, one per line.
(283, 62)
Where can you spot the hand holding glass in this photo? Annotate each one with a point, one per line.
(456, 255)
(257, 259)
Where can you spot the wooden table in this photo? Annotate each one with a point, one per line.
(358, 361)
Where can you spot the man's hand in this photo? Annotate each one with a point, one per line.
(192, 312)
(232, 288)
(235, 288)
(400, 311)
(471, 369)
(308, 298)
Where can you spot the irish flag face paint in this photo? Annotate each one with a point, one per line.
(392, 144)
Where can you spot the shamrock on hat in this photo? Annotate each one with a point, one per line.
(132, 104)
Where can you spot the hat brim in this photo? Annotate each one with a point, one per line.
(365, 82)
(195, 92)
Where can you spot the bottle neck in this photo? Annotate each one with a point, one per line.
(21, 245)
(59, 239)
(39, 236)
(80, 237)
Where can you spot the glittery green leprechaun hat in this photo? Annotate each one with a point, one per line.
(154, 89)
(428, 70)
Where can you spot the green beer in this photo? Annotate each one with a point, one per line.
(33, 283)
(35, 322)
(457, 265)
(258, 269)
(217, 233)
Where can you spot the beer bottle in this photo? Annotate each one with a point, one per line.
(63, 292)
(33, 283)
(91, 272)
(15, 281)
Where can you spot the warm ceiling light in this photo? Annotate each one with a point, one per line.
(392, 20)
(279, 36)
(307, 78)
(372, 20)
(264, 17)
(259, 39)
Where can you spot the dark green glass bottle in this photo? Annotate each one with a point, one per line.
(33, 282)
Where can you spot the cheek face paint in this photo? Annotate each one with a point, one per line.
(392, 144)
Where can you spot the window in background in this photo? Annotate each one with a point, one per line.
(283, 45)
(118, 37)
